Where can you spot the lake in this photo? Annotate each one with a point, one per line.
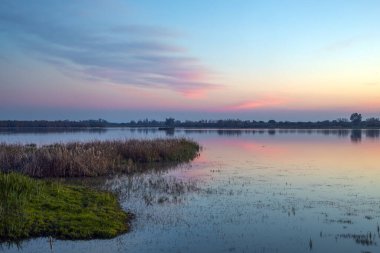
(248, 191)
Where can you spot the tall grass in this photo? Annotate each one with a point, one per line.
(15, 193)
(93, 158)
(15, 189)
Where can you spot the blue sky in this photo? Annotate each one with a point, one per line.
(122, 60)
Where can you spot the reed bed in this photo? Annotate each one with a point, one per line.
(94, 158)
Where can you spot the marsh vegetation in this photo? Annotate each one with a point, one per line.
(93, 158)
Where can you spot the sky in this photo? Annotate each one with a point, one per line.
(124, 60)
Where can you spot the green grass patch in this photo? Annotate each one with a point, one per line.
(33, 208)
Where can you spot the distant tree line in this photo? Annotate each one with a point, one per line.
(54, 124)
(355, 121)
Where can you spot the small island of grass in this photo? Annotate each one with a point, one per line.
(32, 207)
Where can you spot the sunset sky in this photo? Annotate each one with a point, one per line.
(200, 59)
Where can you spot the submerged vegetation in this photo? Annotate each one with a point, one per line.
(93, 158)
(31, 207)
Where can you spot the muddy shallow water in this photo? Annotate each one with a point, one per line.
(249, 191)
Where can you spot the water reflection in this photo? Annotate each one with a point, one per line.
(356, 136)
(372, 133)
(9, 135)
(343, 132)
(230, 132)
(169, 132)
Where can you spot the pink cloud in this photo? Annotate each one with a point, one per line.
(195, 94)
(251, 105)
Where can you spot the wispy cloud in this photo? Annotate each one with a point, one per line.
(255, 104)
(126, 54)
(195, 94)
(145, 31)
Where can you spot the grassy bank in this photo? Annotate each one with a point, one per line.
(32, 208)
(93, 158)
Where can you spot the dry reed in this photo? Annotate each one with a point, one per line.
(94, 158)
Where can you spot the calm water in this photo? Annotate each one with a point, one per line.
(249, 191)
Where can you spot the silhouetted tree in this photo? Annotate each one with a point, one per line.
(356, 118)
(372, 122)
(169, 122)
